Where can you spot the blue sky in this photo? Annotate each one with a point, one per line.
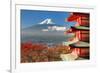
(33, 17)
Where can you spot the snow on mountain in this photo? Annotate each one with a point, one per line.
(53, 27)
(47, 21)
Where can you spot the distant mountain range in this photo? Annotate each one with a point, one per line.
(45, 30)
(46, 24)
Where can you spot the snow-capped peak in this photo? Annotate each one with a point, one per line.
(47, 21)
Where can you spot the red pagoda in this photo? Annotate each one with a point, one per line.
(81, 31)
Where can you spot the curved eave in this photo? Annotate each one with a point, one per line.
(72, 18)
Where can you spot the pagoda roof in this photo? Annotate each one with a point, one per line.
(80, 44)
(77, 28)
(80, 28)
(80, 14)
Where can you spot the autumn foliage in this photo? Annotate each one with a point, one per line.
(37, 52)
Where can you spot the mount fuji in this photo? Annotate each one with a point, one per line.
(46, 30)
(46, 24)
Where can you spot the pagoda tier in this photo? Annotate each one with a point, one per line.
(82, 19)
(81, 48)
(81, 32)
(75, 15)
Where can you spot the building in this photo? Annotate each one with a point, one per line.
(81, 30)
